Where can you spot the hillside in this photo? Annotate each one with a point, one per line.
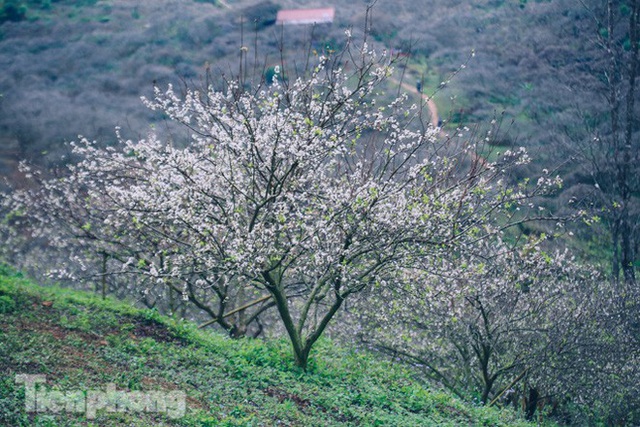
(80, 342)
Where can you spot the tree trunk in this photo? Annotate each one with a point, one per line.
(615, 257)
(532, 403)
(282, 305)
(628, 258)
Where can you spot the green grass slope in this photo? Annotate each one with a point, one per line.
(83, 343)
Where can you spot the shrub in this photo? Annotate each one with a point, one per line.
(7, 304)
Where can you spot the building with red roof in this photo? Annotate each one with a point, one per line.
(306, 16)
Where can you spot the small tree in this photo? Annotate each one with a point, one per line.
(477, 321)
(309, 191)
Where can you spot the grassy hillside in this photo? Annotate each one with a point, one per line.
(80, 342)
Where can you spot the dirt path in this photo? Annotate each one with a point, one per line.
(435, 119)
(431, 105)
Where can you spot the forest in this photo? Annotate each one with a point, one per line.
(448, 186)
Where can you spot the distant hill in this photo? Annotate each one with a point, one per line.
(80, 67)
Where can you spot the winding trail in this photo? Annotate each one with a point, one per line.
(477, 159)
(431, 105)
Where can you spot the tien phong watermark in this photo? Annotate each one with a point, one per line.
(40, 399)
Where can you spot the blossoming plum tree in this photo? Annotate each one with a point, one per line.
(484, 320)
(304, 192)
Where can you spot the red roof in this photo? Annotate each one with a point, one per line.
(306, 16)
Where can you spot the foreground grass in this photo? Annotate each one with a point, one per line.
(81, 342)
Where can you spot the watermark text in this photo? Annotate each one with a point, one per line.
(40, 399)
